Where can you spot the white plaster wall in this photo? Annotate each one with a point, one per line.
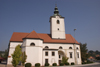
(57, 45)
(65, 49)
(54, 28)
(36, 41)
(68, 55)
(51, 59)
(34, 53)
(11, 50)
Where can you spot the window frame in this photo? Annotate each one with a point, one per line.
(46, 60)
(77, 54)
(60, 47)
(58, 22)
(53, 53)
(46, 53)
(70, 47)
(32, 44)
(46, 47)
(71, 54)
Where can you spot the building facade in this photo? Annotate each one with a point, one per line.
(47, 48)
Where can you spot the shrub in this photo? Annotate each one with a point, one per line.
(37, 65)
(84, 62)
(54, 64)
(61, 64)
(89, 62)
(72, 63)
(28, 65)
(66, 63)
(46, 64)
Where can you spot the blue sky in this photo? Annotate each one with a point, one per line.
(29, 15)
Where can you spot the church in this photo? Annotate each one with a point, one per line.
(47, 48)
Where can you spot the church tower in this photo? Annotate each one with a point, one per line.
(57, 27)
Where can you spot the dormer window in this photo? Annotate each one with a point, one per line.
(58, 22)
(32, 44)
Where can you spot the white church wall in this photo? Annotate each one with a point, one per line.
(57, 45)
(65, 49)
(34, 53)
(11, 50)
(68, 55)
(37, 42)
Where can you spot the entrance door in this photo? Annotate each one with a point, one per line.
(59, 61)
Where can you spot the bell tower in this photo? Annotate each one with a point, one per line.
(57, 27)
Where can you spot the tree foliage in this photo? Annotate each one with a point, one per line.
(16, 56)
(94, 53)
(23, 58)
(6, 54)
(84, 52)
(64, 60)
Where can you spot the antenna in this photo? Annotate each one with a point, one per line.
(55, 4)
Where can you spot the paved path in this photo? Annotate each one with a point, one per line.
(85, 65)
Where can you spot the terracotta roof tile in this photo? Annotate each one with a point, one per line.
(33, 34)
(16, 36)
(46, 37)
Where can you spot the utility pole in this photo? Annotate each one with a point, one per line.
(75, 51)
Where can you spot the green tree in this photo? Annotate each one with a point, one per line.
(23, 58)
(6, 54)
(64, 59)
(16, 56)
(84, 52)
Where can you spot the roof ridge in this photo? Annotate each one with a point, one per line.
(32, 33)
(37, 34)
(27, 35)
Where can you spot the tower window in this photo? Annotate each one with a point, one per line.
(58, 22)
(32, 44)
(58, 28)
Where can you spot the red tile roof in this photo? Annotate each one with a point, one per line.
(46, 37)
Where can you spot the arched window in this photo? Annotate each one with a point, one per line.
(58, 22)
(70, 47)
(76, 47)
(32, 44)
(60, 47)
(46, 47)
(58, 28)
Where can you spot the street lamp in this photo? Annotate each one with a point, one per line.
(75, 52)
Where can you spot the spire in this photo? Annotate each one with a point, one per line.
(56, 12)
